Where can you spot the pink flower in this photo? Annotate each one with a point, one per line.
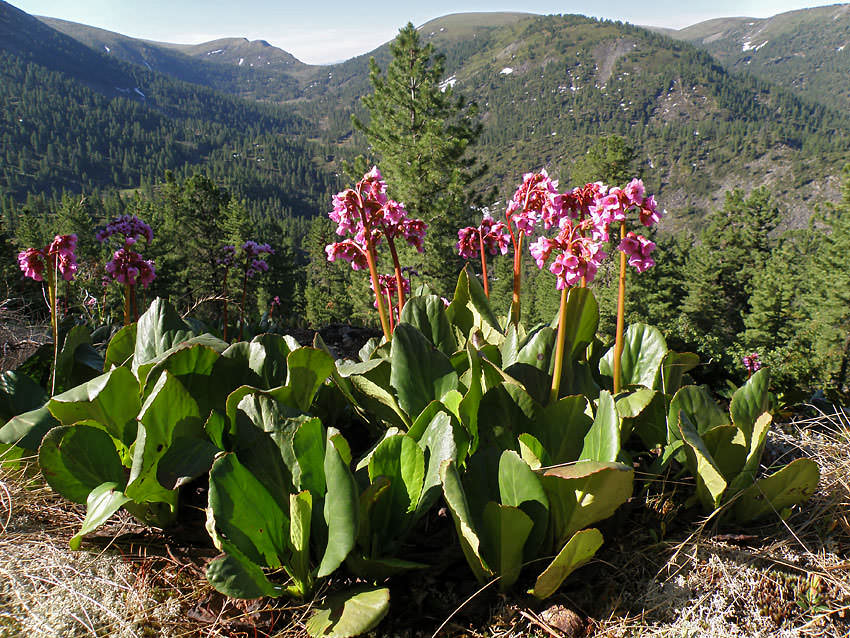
(128, 225)
(649, 214)
(389, 286)
(395, 223)
(536, 198)
(494, 234)
(579, 256)
(751, 362)
(58, 255)
(635, 192)
(347, 250)
(638, 248)
(128, 267)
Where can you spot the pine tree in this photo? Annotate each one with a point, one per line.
(611, 159)
(421, 132)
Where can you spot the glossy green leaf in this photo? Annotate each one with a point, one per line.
(420, 373)
(674, 366)
(470, 310)
(19, 394)
(75, 338)
(582, 321)
(726, 446)
(399, 459)
(110, 402)
(300, 513)
(428, 315)
(341, 507)
(307, 370)
(240, 579)
(121, 348)
(308, 446)
(506, 411)
(699, 406)
(370, 382)
(651, 424)
(349, 613)
(644, 349)
(747, 474)
(504, 530)
(439, 444)
(186, 458)
(561, 427)
(750, 401)
(28, 429)
(533, 362)
(582, 494)
(244, 515)
(710, 482)
(532, 451)
(265, 355)
(169, 412)
(578, 551)
(520, 487)
(101, 503)
(76, 459)
(602, 441)
(459, 507)
(158, 330)
(793, 484)
(195, 361)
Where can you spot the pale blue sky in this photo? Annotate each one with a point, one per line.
(333, 30)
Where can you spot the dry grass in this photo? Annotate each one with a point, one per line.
(661, 574)
(19, 336)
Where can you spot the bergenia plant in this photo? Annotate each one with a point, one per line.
(614, 207)
(536, 199)
(751, 363)
(48, 264)
(127, 267)
(490, 236)
(579, 253)
(254, 264)
(365, 212)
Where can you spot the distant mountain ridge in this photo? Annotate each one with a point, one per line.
(547, 87)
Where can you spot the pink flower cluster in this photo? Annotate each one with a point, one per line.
(579, 256)
(127, 266)
(58, 255)
(389, 287)
(751, 362)
(637, 248)
(128, 225)
(255, 263)
(494, 235)
(536, 199)
(366, 213)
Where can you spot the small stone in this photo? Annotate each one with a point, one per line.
(564, 620)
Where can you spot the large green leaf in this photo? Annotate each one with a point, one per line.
(470, 310)
(747, 474)
(578, 551)
(582, 321)
(651, 424)
(710, 482)
(169, 413)
(265, 355)
(602, 441)
(101, 503)
(644, 349)
(349, 613)
(240, 578)
(561, 428)
(420, 373)
(504, 530)
(71, 369)
(673, 369)
(341, 507)
(520, 487)
(438, 442)
(300, 514)
(19, 394)
(28, 429)
(370, 384)
(533, 362)
(158, 330)
(195, 356)
(244, 515)
(400, 460)
(791, 485)
(506, 411)
(76, 459)
(121, 348)
(750, 401)
(110, 402)
(582, 494)
(308, 368)
(428, 315)
(699, 406)
(470, 543)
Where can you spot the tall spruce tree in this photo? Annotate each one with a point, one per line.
(421, 132)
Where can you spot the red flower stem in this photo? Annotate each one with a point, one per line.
(621, 312)
(392, 313)
(399, 278)
(224, 307)
(376, 285)
(133, 301)
(54, 326)
(483, 265)
(515, 302)
(126, 304)
(559, 348)
(244, 298)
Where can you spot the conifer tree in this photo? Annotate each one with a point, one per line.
(421, 132)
